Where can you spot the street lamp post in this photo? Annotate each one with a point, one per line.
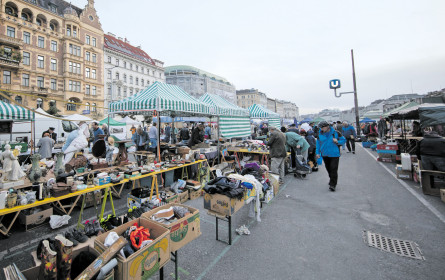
(111, 101)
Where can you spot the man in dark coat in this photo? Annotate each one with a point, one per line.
(277, 151)
(51, 133)
(197, 136)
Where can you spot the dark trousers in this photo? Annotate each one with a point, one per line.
(433, 163)
(140, 148)
(331, 164)
(352, 141)
(293, 158)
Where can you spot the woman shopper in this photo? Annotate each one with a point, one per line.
(328, 148)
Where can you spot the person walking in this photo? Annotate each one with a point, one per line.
(327, 148)
(140, 139)
(168, 132)
(350, 134)
(45, 146)
(153, 135)
(208, 132)
(277, 151)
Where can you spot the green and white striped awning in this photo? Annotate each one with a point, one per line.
(223, 107)
(14, 113)
(259, 112)
(233, 120)
(164, 98)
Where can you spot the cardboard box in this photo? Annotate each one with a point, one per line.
(393, 152)
(384, 159)
(183, 150)
(387, 147)
(442, 194)
(172, 198)
(146, 261)
(33, 272)
(404, 174)
(183, 230)
(184, 196)
(136, 201)
(248, 193)
(275, 182)
(432, 181)
(194, 194)
(222, 204)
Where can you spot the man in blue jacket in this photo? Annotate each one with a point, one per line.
(349, 133)
(328, 148)
(97, 131)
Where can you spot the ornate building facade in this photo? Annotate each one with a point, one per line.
(51, 50)
(128, 69)
(247, 97)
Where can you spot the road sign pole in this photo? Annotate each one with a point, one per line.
(357, 122)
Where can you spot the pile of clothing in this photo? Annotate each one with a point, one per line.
(226, 186)
(170, 215)
(137, 237)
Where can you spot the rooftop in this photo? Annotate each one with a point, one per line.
(60, 4)
(190, 70)
(115, 44)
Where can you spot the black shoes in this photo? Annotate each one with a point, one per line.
(353, 152)
(70, 237)
(79, 236)
(332, 188)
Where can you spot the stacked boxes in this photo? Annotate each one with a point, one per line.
(387, 152)
(403, 174)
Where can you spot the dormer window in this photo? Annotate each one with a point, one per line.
(52, 8)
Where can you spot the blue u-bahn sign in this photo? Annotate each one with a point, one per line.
(334, 84)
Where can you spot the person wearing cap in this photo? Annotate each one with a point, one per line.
(293, 128)
(327, 148)
(277, 151)
(349, 133)
(51, 133)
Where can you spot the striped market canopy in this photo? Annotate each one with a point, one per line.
(233, 120)
(258, 111)
(163, 98)
(14, 113)
(223, 107)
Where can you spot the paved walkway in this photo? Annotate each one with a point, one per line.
(308, 232)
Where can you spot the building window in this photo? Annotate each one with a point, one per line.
(54, 46)
(137, 81)
(26, 38)
(131, 66)
(93, 91)
(53, 64)
(137, 68)
(53, 8)
(41, 42)
(53, 84)
(94, 42)
(26, 16)
(109, 74)
(25, 80)
(75, 50)
(93, 107)
(87, 89)
(125, 64)
(74, 31)
(117, 62)
(52, 26)
(40, 82)
(18, 99)
(131, 91)
(109, 91)
(142, 82)
(94, 58)
(39, 22)
(74, 86)
(87, 106)
(68, 30)
(117, 75)
(109, 59)
(87, 72)
(87, 56)
(71, 106)
(87, 39)
(125, 92)
(6, 77)
(142, 70)
(39, 103)
(125, 78)
(119, 92)
(26, 58)
(40, 61)
(10, 32)
(131, 79)
(93, 74)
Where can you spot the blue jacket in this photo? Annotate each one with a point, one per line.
(348, 131)
(96, 134)
(136, 137)
(325, 144)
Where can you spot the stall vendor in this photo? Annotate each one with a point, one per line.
(51, 133)
(197, 136)
(140, 139)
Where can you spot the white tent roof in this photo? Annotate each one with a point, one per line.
(78, 118)
(128, 120)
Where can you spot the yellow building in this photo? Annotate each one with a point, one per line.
(51, 50)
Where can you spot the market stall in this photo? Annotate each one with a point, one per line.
(259, 112)
(10, 115)
(115, 128)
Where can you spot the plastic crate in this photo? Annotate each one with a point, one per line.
(367, 144)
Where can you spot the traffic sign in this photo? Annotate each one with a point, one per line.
(334, 84)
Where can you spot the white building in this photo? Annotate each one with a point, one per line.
(128, 69)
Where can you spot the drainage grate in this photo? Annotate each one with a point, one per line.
(400, 247)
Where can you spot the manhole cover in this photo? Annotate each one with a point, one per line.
(402, 248)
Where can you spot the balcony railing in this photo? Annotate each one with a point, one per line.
(10, 41)
(8, 62)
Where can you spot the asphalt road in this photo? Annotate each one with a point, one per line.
(306, 232)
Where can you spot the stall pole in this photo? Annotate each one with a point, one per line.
(218, 153)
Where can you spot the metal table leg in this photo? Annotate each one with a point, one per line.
(175, 259)
(227, 219)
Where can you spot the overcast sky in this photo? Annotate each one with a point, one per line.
(291, 49)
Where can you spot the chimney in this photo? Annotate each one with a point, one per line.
(138, 47)
(126, 41)
(120, 38)
(111, 34)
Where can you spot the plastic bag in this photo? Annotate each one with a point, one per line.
(56, 221)
(320, 161)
